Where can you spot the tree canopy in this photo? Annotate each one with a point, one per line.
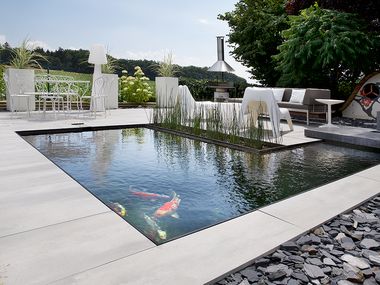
(323, 47)
(310, 47)
(255, 34)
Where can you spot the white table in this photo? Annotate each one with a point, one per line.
(329, 102)
(58, 88)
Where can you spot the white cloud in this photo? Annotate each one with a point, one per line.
(157, 55)
(74, 48)
(203, 21)
(2, 39)
(40, 44)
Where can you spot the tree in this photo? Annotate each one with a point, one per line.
(255, 34)
(367, 10)
(323, 48)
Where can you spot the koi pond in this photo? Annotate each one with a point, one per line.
(167, 186)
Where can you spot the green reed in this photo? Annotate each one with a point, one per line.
(218, 121)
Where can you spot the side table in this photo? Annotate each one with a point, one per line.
(329, 102)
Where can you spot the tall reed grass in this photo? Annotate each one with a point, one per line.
(222, 122)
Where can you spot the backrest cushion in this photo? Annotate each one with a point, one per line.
(278, 93)
(297, 96)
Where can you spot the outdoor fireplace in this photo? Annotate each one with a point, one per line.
(221, 87)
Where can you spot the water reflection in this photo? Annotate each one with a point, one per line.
(167, 186)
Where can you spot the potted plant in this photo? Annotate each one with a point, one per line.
(166, 83)
(20, 74)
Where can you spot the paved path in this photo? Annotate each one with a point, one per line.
(52, 231)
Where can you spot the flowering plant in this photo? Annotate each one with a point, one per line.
(135, 88)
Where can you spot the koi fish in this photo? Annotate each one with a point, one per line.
(169, 208)
(118, 209)
(152, 223)
(148, 194)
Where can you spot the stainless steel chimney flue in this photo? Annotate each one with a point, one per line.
(220, 65)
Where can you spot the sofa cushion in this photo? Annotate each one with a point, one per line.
(291, 105)
(297, 96)
(278, 93)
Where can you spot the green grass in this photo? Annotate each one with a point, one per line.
(75, 75)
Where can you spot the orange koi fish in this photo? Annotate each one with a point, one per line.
(169, 208)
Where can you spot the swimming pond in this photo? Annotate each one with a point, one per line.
(168, 186)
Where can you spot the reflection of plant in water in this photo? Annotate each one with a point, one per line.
(172, 149)
(138, 133)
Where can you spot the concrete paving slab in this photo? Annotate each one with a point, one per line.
(51, 253)
(197, 258)
(99, 248)
(349, 135)
(38, 206)
(371, 173)
(314, 207)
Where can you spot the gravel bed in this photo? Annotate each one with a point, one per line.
(343, 251)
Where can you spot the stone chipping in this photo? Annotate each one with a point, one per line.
(343, 251)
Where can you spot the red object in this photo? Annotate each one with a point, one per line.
(168, 208)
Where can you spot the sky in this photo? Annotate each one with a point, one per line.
(139, 29)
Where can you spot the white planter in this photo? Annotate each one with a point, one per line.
(166, 91)
(20, 81)
(111, 88)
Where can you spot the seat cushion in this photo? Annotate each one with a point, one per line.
(278, 93)
(291, 105)
(297, 95)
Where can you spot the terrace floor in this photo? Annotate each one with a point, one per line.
(55, 232)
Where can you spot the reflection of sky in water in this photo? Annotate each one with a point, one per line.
(214, 183)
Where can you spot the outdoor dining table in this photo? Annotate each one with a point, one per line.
(65, 94)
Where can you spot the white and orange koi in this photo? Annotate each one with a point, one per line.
(169, 208)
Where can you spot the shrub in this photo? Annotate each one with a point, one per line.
(198, 88)
(135, 88)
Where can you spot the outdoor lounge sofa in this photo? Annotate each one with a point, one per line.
(306, 103)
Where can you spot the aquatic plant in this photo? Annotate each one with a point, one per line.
(220, 122)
